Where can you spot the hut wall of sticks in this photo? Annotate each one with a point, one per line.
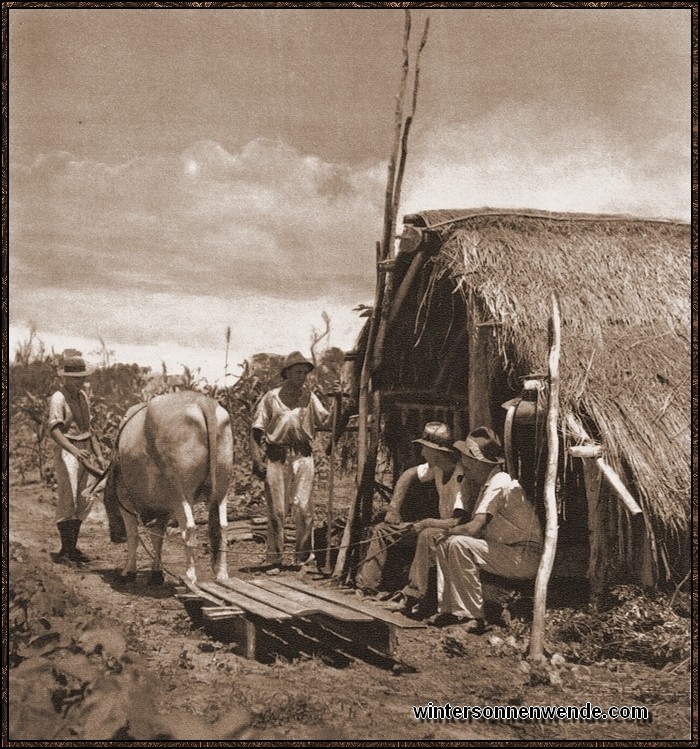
(465, 341)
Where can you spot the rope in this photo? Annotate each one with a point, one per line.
(164, 536)
(98, 472)
(198, 547)
(403, 533)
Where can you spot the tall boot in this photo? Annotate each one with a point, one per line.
(75, 554)
(65, 530)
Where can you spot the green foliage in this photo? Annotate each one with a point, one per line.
(115, 388)
(641, 627)
(69, 682)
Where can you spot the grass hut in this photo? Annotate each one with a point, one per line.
(465, 340)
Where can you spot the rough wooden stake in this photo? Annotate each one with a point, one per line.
(606, 469)
(364, 410)
(551, 529)
(331, 484)
(393, 196)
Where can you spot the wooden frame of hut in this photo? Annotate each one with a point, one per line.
(462, 338)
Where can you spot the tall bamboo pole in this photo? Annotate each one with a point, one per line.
(331, 484)
(369, 397)
(391, 207)
(551, 528)
(362, 437)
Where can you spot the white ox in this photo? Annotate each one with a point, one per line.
(173, 451)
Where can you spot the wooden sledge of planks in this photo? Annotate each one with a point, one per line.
(285, 616)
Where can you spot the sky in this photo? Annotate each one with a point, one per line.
(176, 172)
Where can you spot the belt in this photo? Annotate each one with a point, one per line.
(278, 453)
(78, 437)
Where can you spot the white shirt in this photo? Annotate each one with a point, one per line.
(288, 426)
(60, 413)
(513, 518)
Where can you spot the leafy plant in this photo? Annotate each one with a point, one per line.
(638, 626)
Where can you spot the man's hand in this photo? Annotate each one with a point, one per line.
(84, 456)
(392, 517)
(421, 525)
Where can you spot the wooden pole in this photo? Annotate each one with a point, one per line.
(369, 398)
(609, 473)
(551, 528)
(331, 484)
(508, 440)
(393, 195)
(479, 386)
(596, 535)
(362, 440)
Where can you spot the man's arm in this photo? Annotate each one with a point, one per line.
(406, 479)
(474, 527)
(445, 523)
(58, 437)
(257, 451)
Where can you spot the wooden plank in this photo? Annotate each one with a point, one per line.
(196, 593)
(236, 536)
(334, 610)
(221, 612)
(358, 638)
(351, 601)
(270, 599)
(247, 604)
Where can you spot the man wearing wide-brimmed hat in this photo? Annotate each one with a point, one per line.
(503, 536)
(441, 466)
(285, 424)
(77, 453)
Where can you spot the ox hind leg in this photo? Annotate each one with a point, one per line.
(156, 532)
(132, 539)
(218, 537)
(188, 531)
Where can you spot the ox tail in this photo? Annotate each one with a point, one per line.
(209, 411)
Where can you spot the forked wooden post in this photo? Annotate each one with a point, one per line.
(551, 528)
(327, 569)
(369, 396)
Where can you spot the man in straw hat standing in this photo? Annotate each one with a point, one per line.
(285, 423)
(503, 536)
(75, 451)
(441, 466)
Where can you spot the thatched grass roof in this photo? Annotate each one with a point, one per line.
(624, 286)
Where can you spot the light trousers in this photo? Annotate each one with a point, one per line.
(423, 562)
(288, 487)
(370, 576)
(459, 560)
(74, 499)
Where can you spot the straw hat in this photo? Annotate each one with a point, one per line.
(74, 366)
(438, 436)
(483, 445)
(296, 357)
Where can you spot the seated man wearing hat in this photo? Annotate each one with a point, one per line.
(75, 450)
(285, 423)
(503, 537)
(441, 466)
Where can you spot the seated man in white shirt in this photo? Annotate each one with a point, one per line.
(441, 466)
(503, 537)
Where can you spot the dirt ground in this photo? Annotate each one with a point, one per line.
(90, 660)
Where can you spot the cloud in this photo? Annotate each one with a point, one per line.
(172, 249)
(529, 159)
(208, 220)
